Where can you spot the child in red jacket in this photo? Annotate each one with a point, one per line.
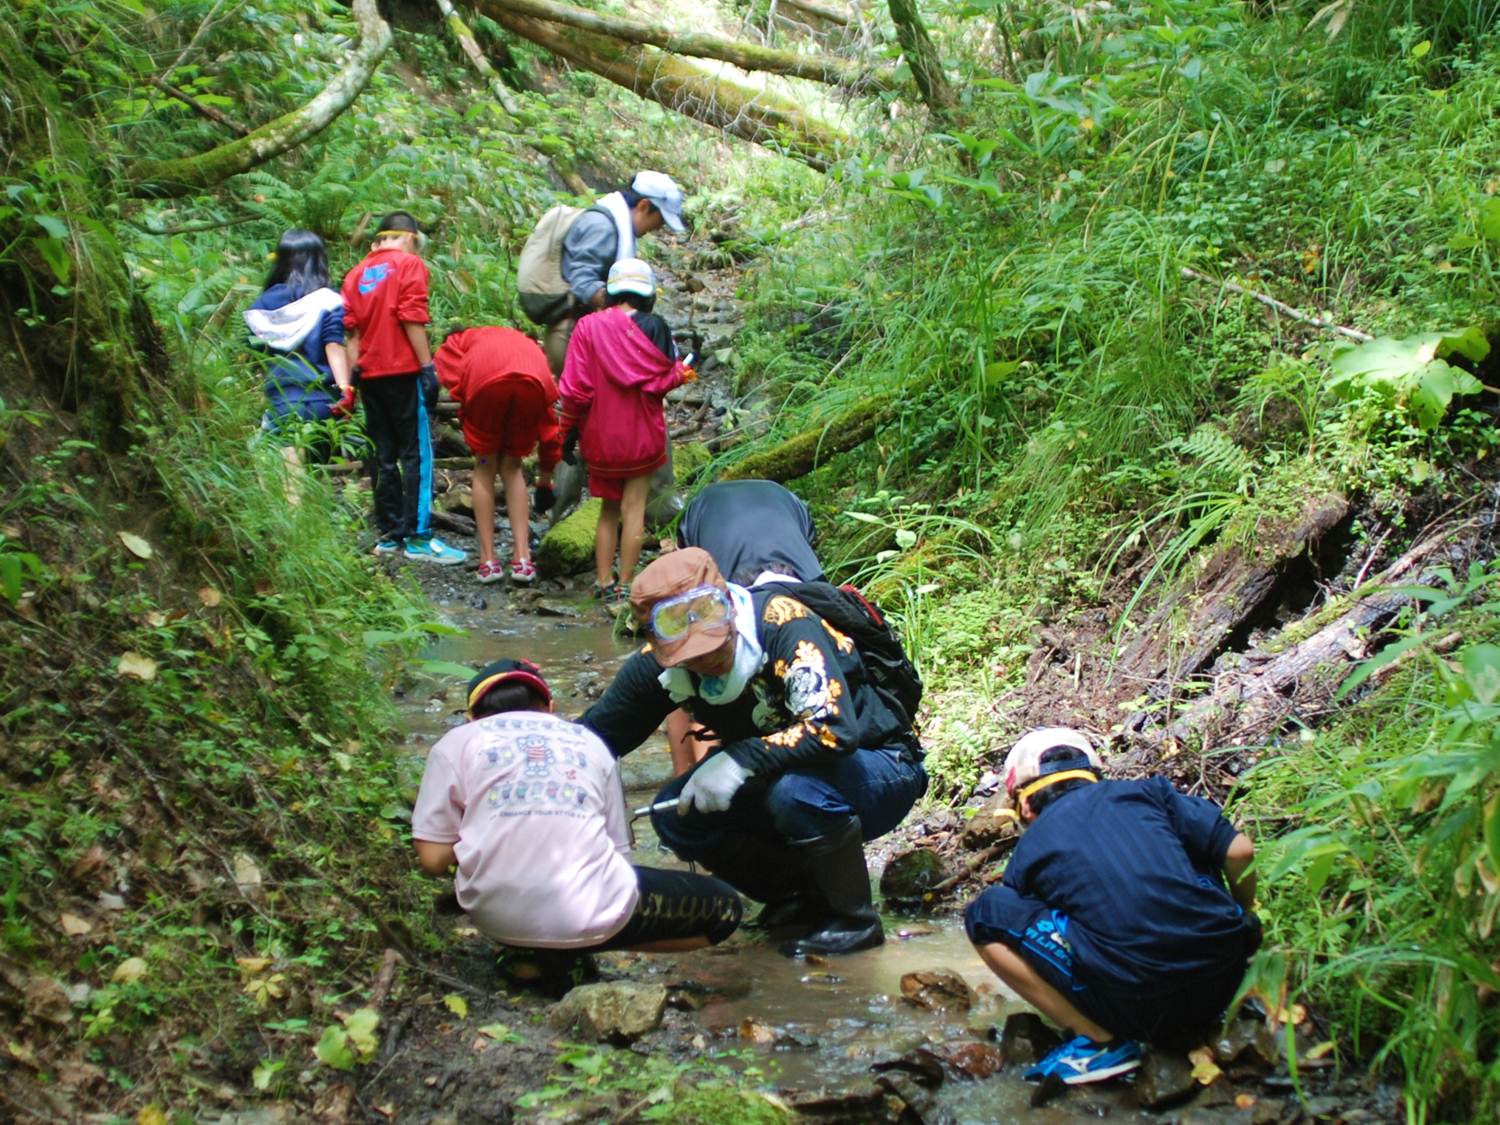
(507, 404)
(385, 326)
(621, 363)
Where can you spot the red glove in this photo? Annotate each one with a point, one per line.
(344, 408)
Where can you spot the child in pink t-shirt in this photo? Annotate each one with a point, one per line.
(529, 807)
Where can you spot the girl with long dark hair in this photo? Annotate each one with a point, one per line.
(298, 321)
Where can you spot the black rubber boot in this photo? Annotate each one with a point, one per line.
(836, 867)
(803, 910)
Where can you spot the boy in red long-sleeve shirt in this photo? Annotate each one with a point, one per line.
(385, 324)
(507, 403)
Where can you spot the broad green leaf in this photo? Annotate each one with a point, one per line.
(361, 1026)
(1489, 218)
(54, 226)
(1481, 664)
(1411, 370)
(264, 1071)
(334, 1050)
(10, 578)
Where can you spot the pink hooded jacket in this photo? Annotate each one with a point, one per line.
(613, 383)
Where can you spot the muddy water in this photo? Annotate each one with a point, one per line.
(803, 1026)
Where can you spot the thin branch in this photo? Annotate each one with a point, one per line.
(198, 107)
(1281, 307)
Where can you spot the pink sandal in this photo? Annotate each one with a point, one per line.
(523, 573)
(489, 571)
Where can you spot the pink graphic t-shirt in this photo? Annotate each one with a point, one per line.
(533, 807)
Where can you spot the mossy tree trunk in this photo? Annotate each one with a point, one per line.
(748, 56)
(801, 453)
(921, 55)
(742, 111)
(185, 174)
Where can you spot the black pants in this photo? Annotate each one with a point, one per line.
(401, 470)
(677, 904)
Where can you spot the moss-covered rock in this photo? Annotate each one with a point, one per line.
(688, 460)
(568, 547)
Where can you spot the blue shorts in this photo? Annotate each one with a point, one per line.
(1177, 1010)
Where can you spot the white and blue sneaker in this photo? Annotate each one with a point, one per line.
(388, 546)
(434, 550)
(1081, 1060)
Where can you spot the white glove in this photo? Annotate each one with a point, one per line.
(713, 785)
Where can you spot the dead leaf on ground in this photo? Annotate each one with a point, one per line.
(129, 970)
(138, 666)
(253, 964)
(73, 925)
(1205, 1070)
(47, 1000)
(246, 874)
(87, 862)
(136, 546)
(208, 597)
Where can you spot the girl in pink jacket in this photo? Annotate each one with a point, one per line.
(620, 365)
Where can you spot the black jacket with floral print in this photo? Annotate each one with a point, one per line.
(810, 700)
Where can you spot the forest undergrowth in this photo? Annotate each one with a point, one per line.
(204, 848)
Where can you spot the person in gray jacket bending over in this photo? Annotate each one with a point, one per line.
(604, 235)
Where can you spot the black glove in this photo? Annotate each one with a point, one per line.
(570, 446)
(544, 499)
(427, 379)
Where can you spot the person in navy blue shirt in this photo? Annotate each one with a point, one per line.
(1125, 910)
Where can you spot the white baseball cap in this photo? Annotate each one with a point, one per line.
(1023, 764)
(630, 275)
(664, 194)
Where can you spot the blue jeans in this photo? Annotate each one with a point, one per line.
(749, 844)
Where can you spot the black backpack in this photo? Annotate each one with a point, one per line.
(892, 674)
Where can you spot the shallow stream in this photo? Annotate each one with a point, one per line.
(803, 1026)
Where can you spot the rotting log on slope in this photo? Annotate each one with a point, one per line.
(1183, 635)
(1301, 679)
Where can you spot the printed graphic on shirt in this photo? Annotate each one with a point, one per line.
(844, 642)
(781, 609)
(810, 694)
(370, 280)
(550, 767)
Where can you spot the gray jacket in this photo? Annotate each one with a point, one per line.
(588, 252)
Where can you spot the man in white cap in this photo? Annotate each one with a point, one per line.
(603, 235)
(1125, 912)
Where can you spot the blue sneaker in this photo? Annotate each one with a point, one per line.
(388, 547)
(434, 550)
(1081, 1060)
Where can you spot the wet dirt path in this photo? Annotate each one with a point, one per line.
(785, 1027)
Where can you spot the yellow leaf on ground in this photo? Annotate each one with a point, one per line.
(72, 925)
(151, 1115)
(1323, 1048)
(138, 666)
(457, 1005)
(253, 964)
(141, 550)
(208, 597)
(1205, 1070)
(129, 970)
(1244, 1101)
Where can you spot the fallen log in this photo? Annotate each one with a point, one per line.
(802, 453)
(1246, 703)
(1190, 626)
